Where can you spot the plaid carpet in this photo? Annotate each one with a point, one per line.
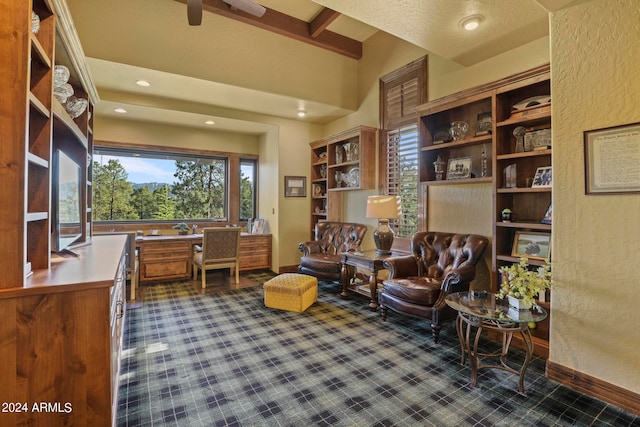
(223, 359)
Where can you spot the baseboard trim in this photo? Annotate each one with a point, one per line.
(287, 269)
(610, 393)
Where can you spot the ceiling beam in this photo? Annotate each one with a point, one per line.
(289, 26)
(322, 21)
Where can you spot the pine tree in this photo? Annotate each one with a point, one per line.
(199, 190)
(164, 205)
(111, 192)
(143, 202)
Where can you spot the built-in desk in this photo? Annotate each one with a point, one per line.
(169, 257)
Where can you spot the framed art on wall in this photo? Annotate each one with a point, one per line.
(611, 157)
(295, 186)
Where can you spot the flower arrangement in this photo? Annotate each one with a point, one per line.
(524, 284)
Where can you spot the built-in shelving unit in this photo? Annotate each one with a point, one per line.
(489, 147)
(42, 37)
(341, 162)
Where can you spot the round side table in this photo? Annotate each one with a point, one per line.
(482, 310)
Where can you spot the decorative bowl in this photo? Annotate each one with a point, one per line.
(61, 75)
(63, 92)
(76, 106)
(458, 130)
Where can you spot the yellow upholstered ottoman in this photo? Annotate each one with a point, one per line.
(291, 292)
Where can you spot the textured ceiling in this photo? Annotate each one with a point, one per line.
(224, 68)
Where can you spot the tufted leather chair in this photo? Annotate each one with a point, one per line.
(321, 257)
(439, 264)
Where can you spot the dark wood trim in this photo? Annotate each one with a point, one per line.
(168, 149)
(288, 26)
(287, 269)
(481, 91)
(322, 21)
(592, 386)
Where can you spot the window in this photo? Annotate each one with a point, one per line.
(401, 92)
(146, 185)
(402, 176)
(247, 189)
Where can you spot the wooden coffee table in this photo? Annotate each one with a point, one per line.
(367, 260)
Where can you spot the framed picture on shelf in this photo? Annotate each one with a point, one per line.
(611, 159)
(318, 191)
(484, 124)
(531, 244)
(258, 226)
(295, 186)
(546, 219)
(543, 177)
(459, 168)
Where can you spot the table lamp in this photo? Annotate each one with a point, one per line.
(384, 208)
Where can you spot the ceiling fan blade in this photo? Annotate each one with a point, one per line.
(194, 12)
(247, 6)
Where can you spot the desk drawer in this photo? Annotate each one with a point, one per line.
(166, 270)
(162, 251)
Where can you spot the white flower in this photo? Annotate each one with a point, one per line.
(520, 282)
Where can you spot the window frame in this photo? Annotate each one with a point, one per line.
(232, 195)
(415, 70)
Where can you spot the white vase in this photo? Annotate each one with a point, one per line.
(518, 304)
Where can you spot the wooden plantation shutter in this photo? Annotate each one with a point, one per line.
(402, 176)
(400, 93)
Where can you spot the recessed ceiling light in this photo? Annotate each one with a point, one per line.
(472, 22)
(143, 83)
(120, 110)
(209, 122)
(302, 113)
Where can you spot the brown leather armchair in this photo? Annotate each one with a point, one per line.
(321, 257)
(439, 264)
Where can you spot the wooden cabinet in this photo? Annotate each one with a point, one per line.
(30, 132)
(255, 252)
(341, 162)
(62, 339)
(165, 260)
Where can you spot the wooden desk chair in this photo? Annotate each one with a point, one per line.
(220, 249)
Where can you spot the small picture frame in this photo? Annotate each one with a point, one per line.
(543, 177)
(484, 124)
(546, 219)
(459, 168)
(318, 190)
(258, 226)
(531, 244)
(295, 186)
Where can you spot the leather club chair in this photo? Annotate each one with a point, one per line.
(439, 264)
(321, 257)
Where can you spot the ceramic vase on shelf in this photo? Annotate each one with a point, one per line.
(339, 178)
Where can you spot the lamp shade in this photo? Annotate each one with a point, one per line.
(383, 207)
